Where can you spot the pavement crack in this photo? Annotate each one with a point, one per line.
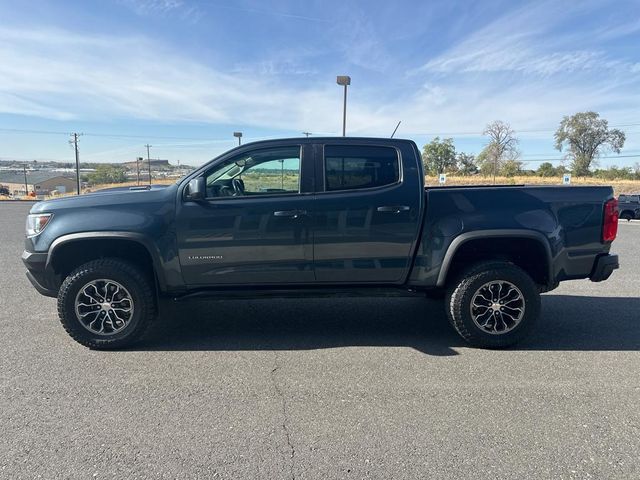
(285, 416)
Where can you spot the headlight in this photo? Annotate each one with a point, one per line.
(37, 222)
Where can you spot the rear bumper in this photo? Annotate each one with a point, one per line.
(42, 278)
(604, 267)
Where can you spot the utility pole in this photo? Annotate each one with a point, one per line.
(306, 134)
(149, 161)
(74, 142)
(26, 188)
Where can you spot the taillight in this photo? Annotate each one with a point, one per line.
(610, 225)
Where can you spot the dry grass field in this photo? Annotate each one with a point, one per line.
(619, 186)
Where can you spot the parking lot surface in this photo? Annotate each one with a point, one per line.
(327, 388)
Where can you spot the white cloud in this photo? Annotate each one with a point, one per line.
(62, 75)
(188, 12)
(57, 74)
(531, 40)
(144, 7)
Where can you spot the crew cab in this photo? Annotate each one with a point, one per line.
(317, 216)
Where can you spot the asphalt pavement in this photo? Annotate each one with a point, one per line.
(323, 389)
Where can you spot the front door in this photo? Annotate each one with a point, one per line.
(254, 226)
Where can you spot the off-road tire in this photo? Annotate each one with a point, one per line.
(136, 282)
(460, 294)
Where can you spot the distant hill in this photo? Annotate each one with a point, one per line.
(8, 164)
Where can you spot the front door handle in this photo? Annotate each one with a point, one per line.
(289, 213)
(394, 208)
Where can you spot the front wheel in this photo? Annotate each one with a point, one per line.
(493, 304)
(106, 304)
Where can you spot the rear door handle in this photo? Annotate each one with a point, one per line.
(394, 208)
(289, 213)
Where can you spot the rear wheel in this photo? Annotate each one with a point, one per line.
(627, 215)
(106, 304)
(493, 304)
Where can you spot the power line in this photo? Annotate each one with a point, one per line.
(162, 137)
(563, 159)
(627, 152)
(94, 134)
(551, 130)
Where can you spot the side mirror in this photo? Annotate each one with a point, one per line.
(196, 190)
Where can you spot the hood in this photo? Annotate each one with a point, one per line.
(118, 196)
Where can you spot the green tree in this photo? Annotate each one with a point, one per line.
(547, 169)
(466, 164)
(439, 156)
(511, 168)
(585, 136)
(107, 174)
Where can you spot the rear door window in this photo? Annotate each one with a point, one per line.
(352, 167)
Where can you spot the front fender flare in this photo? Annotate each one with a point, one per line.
(143, 240)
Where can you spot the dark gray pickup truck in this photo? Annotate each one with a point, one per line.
(317, 217)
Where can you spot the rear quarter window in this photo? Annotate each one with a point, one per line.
(351, 167)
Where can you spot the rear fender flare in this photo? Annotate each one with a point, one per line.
(468, 236)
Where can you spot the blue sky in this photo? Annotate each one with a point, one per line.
(183, 75)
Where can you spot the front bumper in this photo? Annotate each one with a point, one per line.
(604, 267)
(44, 280)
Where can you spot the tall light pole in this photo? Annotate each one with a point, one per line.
(238, 135)
(149, 161)
(138, 160)
(26, 187)
(345, 81)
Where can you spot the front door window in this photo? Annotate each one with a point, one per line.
(260, 172)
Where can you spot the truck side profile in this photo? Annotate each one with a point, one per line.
(317, 216)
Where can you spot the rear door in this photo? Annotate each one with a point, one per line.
(368, 211)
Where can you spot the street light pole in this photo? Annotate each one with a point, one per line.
(149, 161)
(238, 135)
(344, 80)
(138, 159)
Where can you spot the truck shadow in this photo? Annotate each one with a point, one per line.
(567, 323)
